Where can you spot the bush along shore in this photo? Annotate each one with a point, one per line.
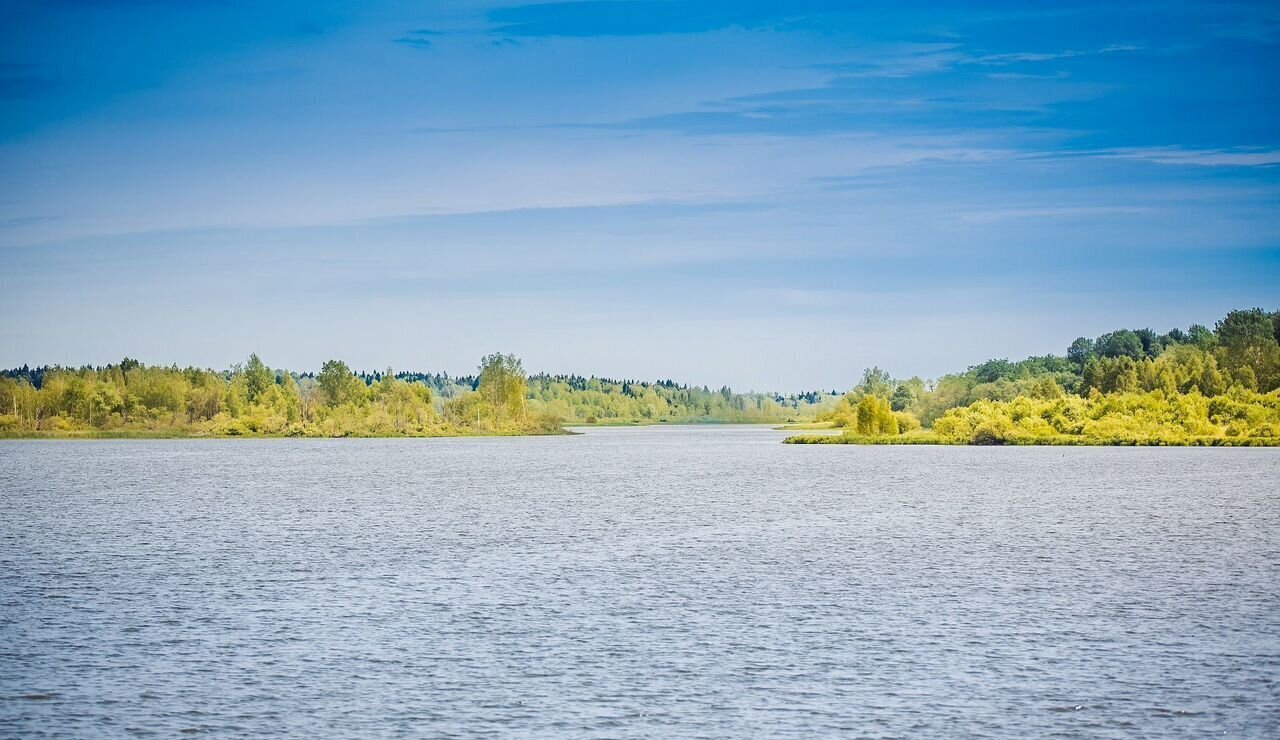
(133, 400)
(1197, 387)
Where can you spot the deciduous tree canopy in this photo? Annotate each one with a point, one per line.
(1165, 376)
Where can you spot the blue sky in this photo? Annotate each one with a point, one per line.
(766, 194)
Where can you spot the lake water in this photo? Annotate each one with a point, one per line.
(643, 582)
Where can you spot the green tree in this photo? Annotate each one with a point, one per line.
(1247, 340)
(258, 378)
(994, 370)
(1211, 382)
(874, 416)
(1121, 343)
(875, 382)
(1201, 336)
(337, 384)
(1247, 328)
(1124, 376)
(1080, 351)
(104, 400)
(502, 385)
(903, 399)
(1093, 376)
(1045, 388)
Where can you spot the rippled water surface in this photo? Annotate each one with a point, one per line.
(660, 582)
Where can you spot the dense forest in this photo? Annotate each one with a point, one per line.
(132, 399)
(1198, 386)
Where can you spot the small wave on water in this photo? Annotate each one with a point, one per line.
(648, 582)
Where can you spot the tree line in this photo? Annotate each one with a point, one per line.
(254, 399)
(1125, 386)
(591, 400)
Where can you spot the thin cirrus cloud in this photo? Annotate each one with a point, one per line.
(708, 179)
(419, 38)
(1243, 157)
(649, 17)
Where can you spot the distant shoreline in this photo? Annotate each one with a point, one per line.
(1055, 441)
(566, 429)
(101, 434)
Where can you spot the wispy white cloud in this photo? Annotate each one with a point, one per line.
(1048, 56)
(727, 183)
(1234, 157)
(998, 215)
